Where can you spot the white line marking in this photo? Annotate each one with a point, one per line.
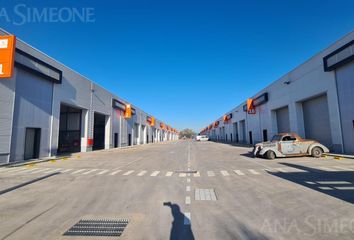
(128, 173)
(53, 170)
(9, 169)
(212, 194)
(142, 173)
(211, 174)
(344, 188)
(66, 170)
(78, 171)
(91, 171)
(182, 175)
(40, 170)
(197, 194)
(169, 174)
(115, 172)
(155, 173)
(253, 171)
(327, 169)
(187, 218)
(197, 174)
(333, 182)
(188, 200)
(13, 170)
(102, 172)
(281, 170)
(343, 168)
(188, 188)
(239, 172)
(29, 170)
(225, 173)
(188, 180)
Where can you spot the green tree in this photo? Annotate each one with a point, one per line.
(188, 133)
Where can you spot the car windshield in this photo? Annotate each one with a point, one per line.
(276, 138)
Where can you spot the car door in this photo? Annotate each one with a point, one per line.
(289, 145)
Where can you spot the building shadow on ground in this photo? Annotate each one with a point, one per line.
(179, 230)
(338, 184)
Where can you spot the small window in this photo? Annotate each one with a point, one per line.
(289, 139)
(265, 135)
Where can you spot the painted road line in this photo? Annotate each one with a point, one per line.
(128, 173)
(343, 168)
(155, 173)
(281, 170)
(29, 170)
(188, 200)
(7, 169)
(224, 173)
(53, 170)
(188, 180)
(201, 194)
(333, 182)
(169, 174)
(91, 171)
(188, 188)
(328, 169)
(253, 171)
(197, 194)
(207, 195)
(142, 173)
(187, 218)
(239, 172)
(78, 171)
(212, 194)
(102, 172)
(182, 175)
(40, 170)
(66, 170)
(197, 174)
(115, 172)
(344, 188)
(210, 174)
(10, 170)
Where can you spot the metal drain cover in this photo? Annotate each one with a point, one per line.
(98, 227)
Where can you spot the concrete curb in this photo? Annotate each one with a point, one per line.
(339, 156)
(34, 161)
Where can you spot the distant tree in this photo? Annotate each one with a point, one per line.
(188, 133)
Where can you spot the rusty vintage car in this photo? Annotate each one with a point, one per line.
(289, 144)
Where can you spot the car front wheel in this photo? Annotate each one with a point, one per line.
(316, 152)
(270, 155)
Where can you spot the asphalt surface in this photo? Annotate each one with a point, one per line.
(181, 190)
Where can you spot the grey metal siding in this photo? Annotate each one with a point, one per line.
(283, 121)
(316, 120)
(33, 109)
(345, 83)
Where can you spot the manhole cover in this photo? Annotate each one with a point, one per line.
(98, 228)
(205, 194)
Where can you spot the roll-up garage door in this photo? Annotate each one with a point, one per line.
(283, 122)
(316, 120)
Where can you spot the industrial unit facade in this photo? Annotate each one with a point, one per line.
(315, 100)
(48, 109)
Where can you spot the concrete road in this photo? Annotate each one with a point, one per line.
(181, 190)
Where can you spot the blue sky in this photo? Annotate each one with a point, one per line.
(185, 62)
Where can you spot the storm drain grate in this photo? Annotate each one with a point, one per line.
(205, 194)
(98, 228)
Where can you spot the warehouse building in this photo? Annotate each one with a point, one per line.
(48, 109)
(315, 100)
